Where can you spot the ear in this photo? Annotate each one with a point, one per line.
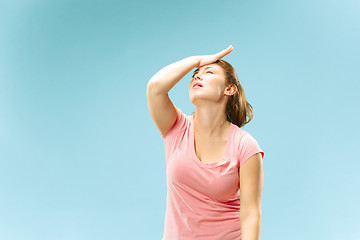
(230, 90)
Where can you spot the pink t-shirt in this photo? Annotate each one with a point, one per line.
(203, 200)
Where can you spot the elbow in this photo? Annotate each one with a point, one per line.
(151, 87)
(152, 83)
(155, 87)
(254, 214)
(250, 220)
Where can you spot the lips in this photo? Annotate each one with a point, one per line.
(197, 85)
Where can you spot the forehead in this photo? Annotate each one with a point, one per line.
(215, 66)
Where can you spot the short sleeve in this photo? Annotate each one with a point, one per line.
(248, 147)
(179, 124)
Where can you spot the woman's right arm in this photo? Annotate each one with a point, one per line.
(164, 80)
(161, 109)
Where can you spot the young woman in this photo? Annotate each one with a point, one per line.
(206, 152)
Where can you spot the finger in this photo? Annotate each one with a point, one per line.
(224, 52)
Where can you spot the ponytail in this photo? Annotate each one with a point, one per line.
(238, 110)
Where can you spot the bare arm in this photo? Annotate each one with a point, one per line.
(251, 184)
(161, 109)
(164, 80)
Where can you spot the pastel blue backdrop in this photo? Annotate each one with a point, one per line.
(80, 157)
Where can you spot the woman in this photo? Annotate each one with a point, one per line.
(205, 153)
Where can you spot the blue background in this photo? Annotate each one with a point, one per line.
(80, 157)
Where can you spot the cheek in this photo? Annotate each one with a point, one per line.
(218, 88)
(217, 83)
(190, 83)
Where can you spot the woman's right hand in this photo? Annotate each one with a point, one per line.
(208, 59)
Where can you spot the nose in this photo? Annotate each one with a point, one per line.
(197, 77)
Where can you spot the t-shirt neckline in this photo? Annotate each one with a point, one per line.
(225, 158)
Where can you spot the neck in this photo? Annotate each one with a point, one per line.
(209, 122)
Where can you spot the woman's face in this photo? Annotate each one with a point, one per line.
(208, 83)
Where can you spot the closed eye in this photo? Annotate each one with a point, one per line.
(209, 72)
